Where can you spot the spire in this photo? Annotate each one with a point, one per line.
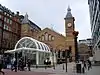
(69, 12)
(25, 20)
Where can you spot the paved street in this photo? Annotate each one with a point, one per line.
(94, 71)
(57, 71)
(49, 71)
(9, 72)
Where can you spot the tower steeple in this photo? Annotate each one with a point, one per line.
(25, 20)
(69, 14)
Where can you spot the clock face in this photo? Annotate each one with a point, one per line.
(69, 24)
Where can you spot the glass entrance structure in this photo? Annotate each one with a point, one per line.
(32, 49)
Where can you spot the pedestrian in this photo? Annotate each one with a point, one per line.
(12, 63)
(83, 66)
(45, 62)
(1, 65)
(29, 64)
(89, 64)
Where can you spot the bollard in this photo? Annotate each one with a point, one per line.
(45, 67)
(53, 66)
(63, 66)
(36, 66)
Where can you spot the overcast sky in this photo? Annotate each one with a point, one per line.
(51, 13)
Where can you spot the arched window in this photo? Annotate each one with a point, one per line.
(52, 38)
(46, 36)
(49, 37)
(39, 38)
(42, 37)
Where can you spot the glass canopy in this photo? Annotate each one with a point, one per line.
(30, 43)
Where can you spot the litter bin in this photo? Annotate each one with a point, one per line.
(78, 68)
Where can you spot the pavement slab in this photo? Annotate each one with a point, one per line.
(94, 71)
(49, 71)
(9, 72)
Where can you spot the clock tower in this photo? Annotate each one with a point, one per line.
(69, 29)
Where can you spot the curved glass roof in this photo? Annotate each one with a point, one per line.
(30, 43)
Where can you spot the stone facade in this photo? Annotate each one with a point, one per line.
(28, 28)
(84, 51)
(53, 39)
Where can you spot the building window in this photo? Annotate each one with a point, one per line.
(5, 13)
(49, 37)
(0, 23)
(39, 38)
(46, 36)
(5, 19)
(42, 37)
(52, 38)
(9, 28)
(10, 16)
(10, 21)
(0, 16)
(5, 27)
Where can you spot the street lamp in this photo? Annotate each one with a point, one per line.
(75, 33)
(16, 61)
(66, 58)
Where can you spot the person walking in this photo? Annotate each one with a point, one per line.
(1, 65)
(29, 64)
(83, 66)
(89, 64)
(12, 63)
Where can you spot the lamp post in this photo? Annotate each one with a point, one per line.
(75, 33)
(66, 58)
(16, 61)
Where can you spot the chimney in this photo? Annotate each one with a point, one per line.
(17, 13)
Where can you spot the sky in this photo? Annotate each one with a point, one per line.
(51, 13)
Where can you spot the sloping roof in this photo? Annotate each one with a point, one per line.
(34, 25)
(69, 14)
(25, 20)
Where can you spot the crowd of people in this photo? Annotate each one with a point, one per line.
(47, 62)
(85, 65)
(13, 64)
(21, 64)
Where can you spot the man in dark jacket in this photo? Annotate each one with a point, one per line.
(29, 64)
(1, 65)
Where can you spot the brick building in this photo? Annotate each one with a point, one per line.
(28, 28)
(54, 40)
(10, 28)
